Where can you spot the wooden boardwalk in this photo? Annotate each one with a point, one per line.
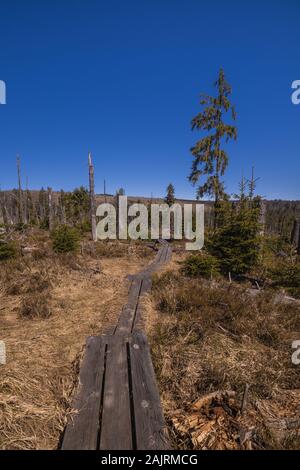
(117, 404)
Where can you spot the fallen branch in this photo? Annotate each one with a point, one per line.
(245, 399)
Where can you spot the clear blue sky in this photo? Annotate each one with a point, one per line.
(123, 79)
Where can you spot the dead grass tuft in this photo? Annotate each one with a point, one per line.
(29, 282)
(33, 409)
(117, 249)
(36, 306)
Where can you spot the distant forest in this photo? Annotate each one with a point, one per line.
(44, 208)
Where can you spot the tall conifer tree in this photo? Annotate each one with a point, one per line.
(210, 157)
(170, 197)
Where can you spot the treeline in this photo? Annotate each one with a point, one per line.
(280, 217)
(44, 208)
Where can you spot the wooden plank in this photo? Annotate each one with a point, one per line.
(165, 254)
(169, 254)
(134, 292)
(150, 430)
(116, 432)
(158, 256)
(156, 263)
(82, 431)
(146, 287)
(162, 254)
(129, 310)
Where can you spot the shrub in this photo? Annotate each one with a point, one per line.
(201, 265)
(164, 279)
(44, 224)
(29, 283)
(7, 250)
(84, 227)
(111, 249)
(36, 306)
(20, 226)
(287, 275)
(236, 242)
(65, 239)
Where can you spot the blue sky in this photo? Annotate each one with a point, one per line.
(123, 79)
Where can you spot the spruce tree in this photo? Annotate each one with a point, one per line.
(170, 197)
(210, 157)
(236, 241)
(120, 192)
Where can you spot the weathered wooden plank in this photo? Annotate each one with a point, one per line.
(134, 292)
(150, 430)
(146, 287)
(158, 256)
(163, 254)
(82, 431)
(168, 254)
(105, 365)
(129, 310)
(116, 432)
(156, 263)
(295, 238)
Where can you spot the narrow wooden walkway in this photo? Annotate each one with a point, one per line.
(118, 405)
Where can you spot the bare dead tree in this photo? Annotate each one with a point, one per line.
(21, 211)
(117, 206)
(262, 216)
(25, 203)
(3, 207)
(50, 209)
(63, 218)
(104, 188)
(92, 198)
(295, 238)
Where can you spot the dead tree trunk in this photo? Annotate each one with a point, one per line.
(104, 191)
(50, 209)
(295, 238)
(26, 203)
(63, 218)
(262, 217)
(117, 206)
(3, 208)
(92, 198)
(21, 212)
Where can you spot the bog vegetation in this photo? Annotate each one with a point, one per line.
(211, 341)
(65, 239)
(226, 319)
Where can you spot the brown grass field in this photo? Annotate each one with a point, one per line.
(214, 343)
(222, 355)
(49, 305)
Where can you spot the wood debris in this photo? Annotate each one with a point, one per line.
(214, 421)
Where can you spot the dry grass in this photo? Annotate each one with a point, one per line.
(84, 295)
(208, 337)
(36, 305)
(118, 249)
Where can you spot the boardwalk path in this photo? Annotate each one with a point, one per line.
(117, 403)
